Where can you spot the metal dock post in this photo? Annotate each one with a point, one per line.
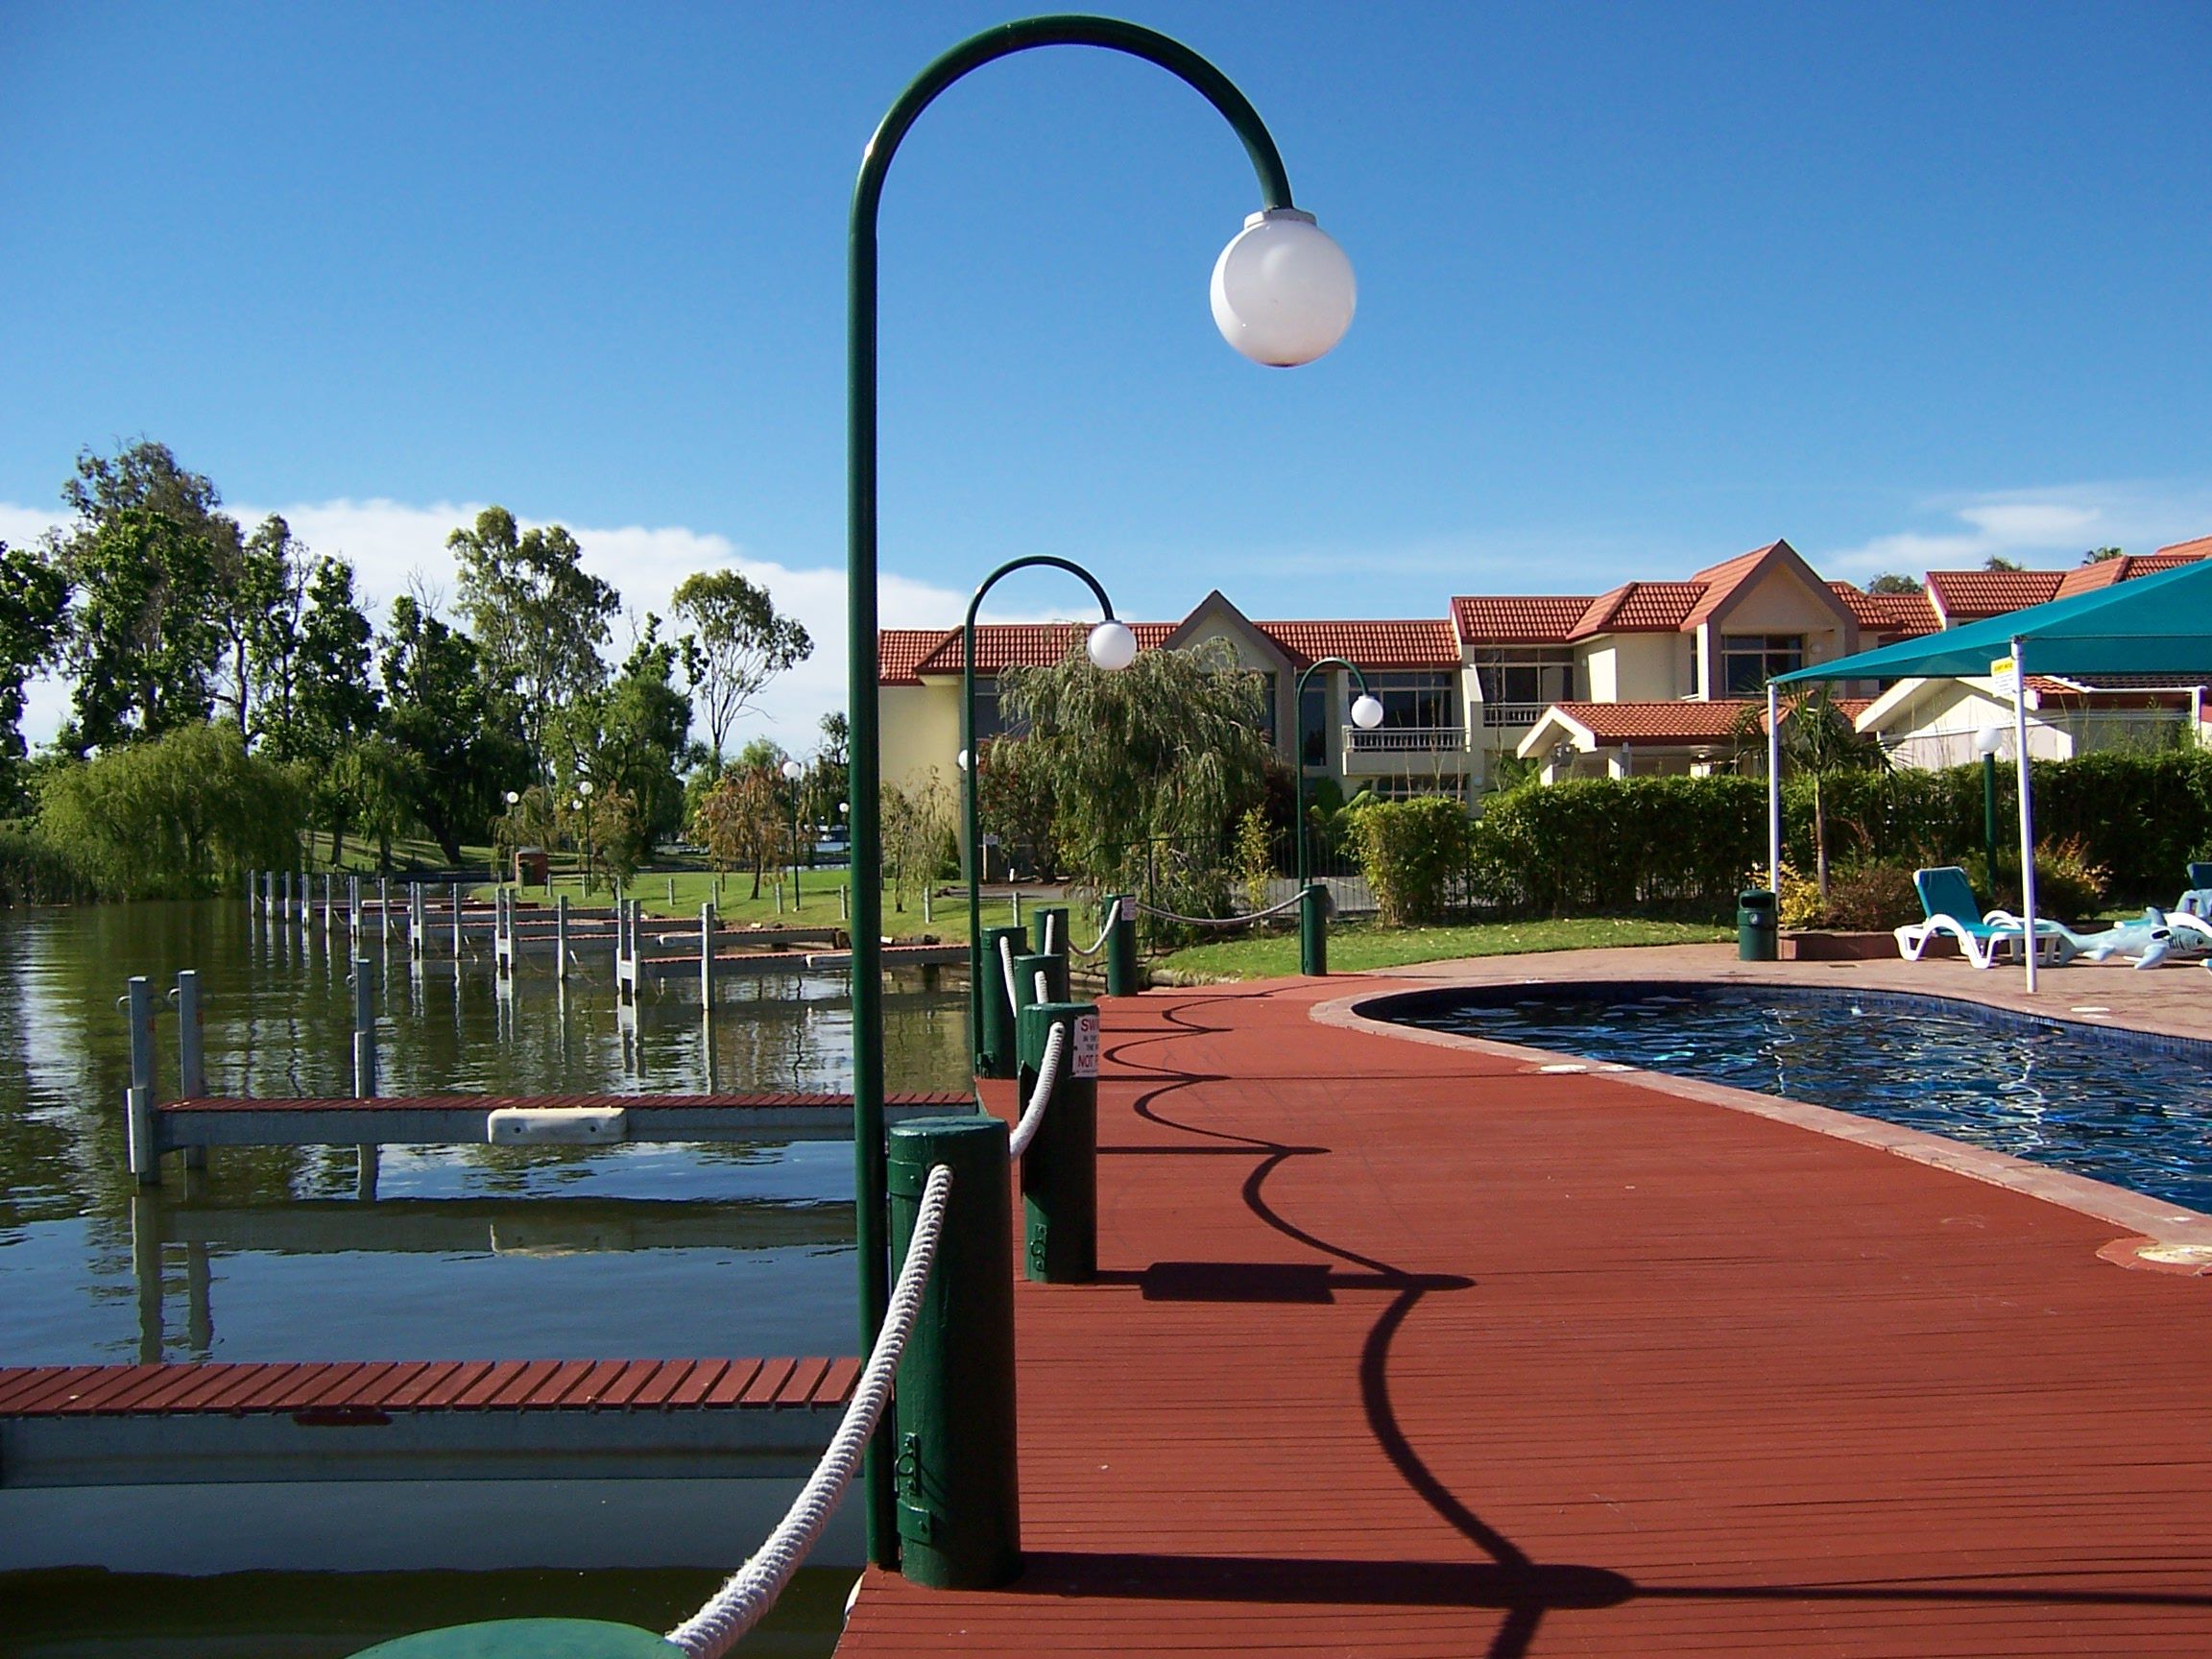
(144, 1152)
(191, 1052)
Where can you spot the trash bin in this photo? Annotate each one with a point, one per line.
(531, 865)
(1757, 926)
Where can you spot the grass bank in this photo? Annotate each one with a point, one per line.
(1354, 946)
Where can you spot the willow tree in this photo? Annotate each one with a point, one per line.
(1145, 769)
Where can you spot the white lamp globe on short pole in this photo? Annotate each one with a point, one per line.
(1112, 646)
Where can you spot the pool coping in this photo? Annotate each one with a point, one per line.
(2151, 1223)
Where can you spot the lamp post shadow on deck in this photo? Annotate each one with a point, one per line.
(1112, 647)
(1281, 294)
(1313, 920)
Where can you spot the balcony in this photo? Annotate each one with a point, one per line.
(1406, 740)
(1497, 715)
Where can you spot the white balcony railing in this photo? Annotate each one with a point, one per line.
(1406, 740)
(1496, 714)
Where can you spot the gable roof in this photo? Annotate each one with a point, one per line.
(1640, 607)
(1975, 596)
(1901, 616)
(900, 651)
(1384, 645)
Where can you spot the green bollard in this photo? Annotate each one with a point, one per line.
(1122, 973)
(1048, 926)
(1060, 1170)
(995, 1032)
(1314, 930)
(1025, 972)
(959, 1499)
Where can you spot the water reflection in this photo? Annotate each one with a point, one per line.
(622, 1246)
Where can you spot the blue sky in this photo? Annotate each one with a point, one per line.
(1639, 288)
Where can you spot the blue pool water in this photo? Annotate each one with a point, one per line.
(2118, 1106)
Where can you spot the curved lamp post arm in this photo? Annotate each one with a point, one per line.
(872, 1212)
(968, 786)
(1298, 759)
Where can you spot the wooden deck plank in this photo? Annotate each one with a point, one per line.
(728, 1389)
(799, 1387)
(837, 1381)
(1401, 1349)
(765, 1383)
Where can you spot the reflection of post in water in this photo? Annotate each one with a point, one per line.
(633, 1045)
(706, 1045)
(146, 1271)
(199, 1313)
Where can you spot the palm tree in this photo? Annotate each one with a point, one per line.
(1818, 738)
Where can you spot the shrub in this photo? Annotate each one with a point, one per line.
(2069, 885)
(1872, 898)
(1410, 853)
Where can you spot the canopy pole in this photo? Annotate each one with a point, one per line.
(2027, 812)
(1774, 795)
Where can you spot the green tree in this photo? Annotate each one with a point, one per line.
(1891, 582)
(536, 615)
(1148, 767)
(381, 783)
(34, 608)
(440, 710)
(1818, 740)
(738, 645)
(147, 560)
(178, 816)
(2098, 554)
(276, 571)
(1998, 562)
(740, 819)
(634, 735)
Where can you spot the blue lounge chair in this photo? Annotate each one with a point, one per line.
(1947, 898)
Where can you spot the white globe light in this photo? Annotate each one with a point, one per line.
(962, 762)
(1283, 290)
(1366, 712)
(792, 769)
(1990, 740)
(1112, 646)
(584, 788)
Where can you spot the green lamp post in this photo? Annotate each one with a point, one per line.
(1281, 294)
(792, 773)
(1112, 647)
(1366, 714)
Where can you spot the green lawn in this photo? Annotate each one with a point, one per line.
(1360, 945)
(681, 893)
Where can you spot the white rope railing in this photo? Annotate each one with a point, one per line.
(1289, 904)
(1051, 927)
(1041, 1096)
(1105, 932)
(1007, 966)
(752, 1590)
(1044, 986)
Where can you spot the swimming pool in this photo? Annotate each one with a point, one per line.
(2120, 1106)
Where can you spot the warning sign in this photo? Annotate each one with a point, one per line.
(1086, 1046)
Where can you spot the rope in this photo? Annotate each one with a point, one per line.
(1051, 926)
(752, 1590)
(1105, 929)
(1041, 1096)
(1292, 903)
(1006, 963)
(1044, 990)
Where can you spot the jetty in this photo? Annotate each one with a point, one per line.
(1410, 1345)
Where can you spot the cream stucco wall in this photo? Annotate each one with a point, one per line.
(1636, 668)
(921, 728)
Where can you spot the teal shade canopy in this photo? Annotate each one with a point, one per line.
(2157, 624)
(529, 1639)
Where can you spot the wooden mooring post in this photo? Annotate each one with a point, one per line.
(706, 951)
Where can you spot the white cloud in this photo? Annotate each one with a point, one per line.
(390, 543)
(2034, 527)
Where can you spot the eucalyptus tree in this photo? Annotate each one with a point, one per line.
(536, 615)
(634, 735)
(33, 605)
(737, 645)
(462, 734)
(152, 564)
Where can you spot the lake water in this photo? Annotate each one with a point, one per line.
(468, 1251)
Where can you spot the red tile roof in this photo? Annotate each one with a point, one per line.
(1421, 644)
(1508, 619)
(1723, 579)
(1024, 644)
(2088, 578)
(1632, 722)
(1972, 595)
(900, 651)
(2200, 549)
(1896, 615)
(1640, 608)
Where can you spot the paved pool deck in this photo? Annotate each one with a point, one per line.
(1409, 1347)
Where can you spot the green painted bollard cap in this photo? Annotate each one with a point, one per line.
(529, 1639)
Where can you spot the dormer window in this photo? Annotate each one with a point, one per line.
(1748, 661)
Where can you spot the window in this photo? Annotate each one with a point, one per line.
(1748, 661)
(1314, 722)
(1519, 686)
(1414, 700)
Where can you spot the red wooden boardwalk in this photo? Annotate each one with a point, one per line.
(950, 1101)
(1405, 1349)
(360, 1389)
